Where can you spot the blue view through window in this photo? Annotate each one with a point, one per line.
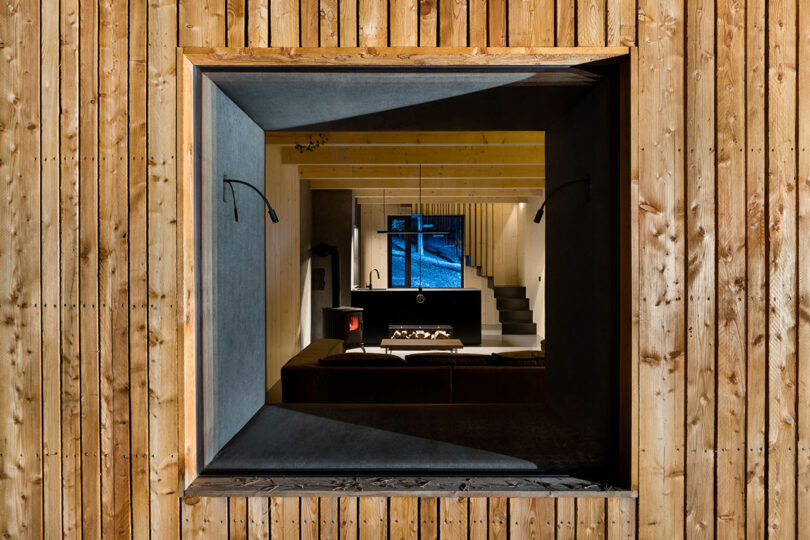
(430, 259)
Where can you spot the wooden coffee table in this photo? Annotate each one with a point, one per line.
(451, 345)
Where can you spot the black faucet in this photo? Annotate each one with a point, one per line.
(369, 276)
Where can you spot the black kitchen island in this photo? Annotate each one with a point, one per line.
(459, 308)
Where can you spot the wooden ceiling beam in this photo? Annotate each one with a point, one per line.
(402, 155)
(406, 138)
(432, 183)
(468, 199)
(348, 172)
(409, 194)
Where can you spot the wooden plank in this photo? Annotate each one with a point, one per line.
(478, 22)
(371, 155)
(258, 514)
(405, 138)
(781, 499)
(404, 518)
(258, 31)
(621, 518)
(237, 518)
(89, 306)
(452, 517)
(309, 23)
(490, 238)
(428, 23)
(566, 23)
(204, 518)
(428, 518)
(591, 23)
(756, 268)
(348, 518)
(531, 23)
(328, 14)
(803, 243)
(20, 284)
(284, 23)
(497, 23)
(51, 332)
(478, 518)
(235, 17)
(284, 518)
(531, 518)
(661, 271)
(452, 23)
(404, 56)
(731, 292)
(566, 518)
(309, 518)
(590, 517)
(330, 518)
(429, 172)
(202, 23)
(701, 269)
(498, 518)
(404, 18)
(164, 446)
(372, 23)
(112, 268)
(138, 287)
(69, 263)
(348, 23)
(372, 517)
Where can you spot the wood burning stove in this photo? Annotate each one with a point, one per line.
(344, 323)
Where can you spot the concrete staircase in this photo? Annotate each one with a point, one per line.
(513, 311)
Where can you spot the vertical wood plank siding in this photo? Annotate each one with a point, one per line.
(90, 400)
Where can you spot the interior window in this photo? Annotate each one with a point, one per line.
(429, 252)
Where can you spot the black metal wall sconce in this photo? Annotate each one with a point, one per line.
(539, 215)
(230, 182)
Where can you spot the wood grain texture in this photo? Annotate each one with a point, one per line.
(498, 518)
(803, 243)
(403, 518)
(138, 288)
(621, 518)
(235, 16)
(731, 287)
(404, 17)
(309, 23)
(258, 516)
(237, 518)
(478, 518)
(372, 517)
(428, 518)
(781, 122)
(69, 270)
(566, 23)
(531, 23)
(329, 514)
(328, 25)
(348, 518)
(566, 518)
(348, 23)
(285, 518)
(756, 269)
(284, 23)
(497, 23)
(531, 518)
(49, 249)
(309, 518)
(452, 517)
(164, 476)
(452, 23)
(372, 18)
(258, 31)
(591, 23)
(661, 270)
(89, 275)
(477, 10)
(204, 518)
(20, 293)
(701, 236)
(590, 518)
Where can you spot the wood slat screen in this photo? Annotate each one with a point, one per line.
(89, 382)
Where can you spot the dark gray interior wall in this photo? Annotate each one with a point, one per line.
(582, 261)
(233, 371)
(332, 221)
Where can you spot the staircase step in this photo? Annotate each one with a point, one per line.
(518, 328)
(514, 304)
(510, 292)
(511, 315)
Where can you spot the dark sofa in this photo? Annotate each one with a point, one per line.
(312, 377)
